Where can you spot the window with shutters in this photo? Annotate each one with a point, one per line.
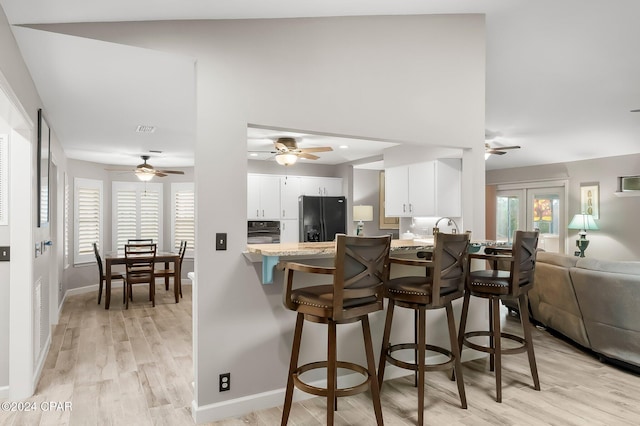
(66, 220)
(137, 212)
(4, 178)
(183, 224)
(88, 218)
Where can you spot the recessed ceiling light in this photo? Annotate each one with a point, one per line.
(344, 146)
(253, 154)
(145, 129)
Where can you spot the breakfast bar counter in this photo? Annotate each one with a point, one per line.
(271, 254)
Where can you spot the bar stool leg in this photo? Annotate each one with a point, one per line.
(371, 366)
(492, 358)
(463, 319)
(385, 343)
(457, 370)
(332, 370)
(295, 352)
(526, 328)
(420, 362)
(497, 346)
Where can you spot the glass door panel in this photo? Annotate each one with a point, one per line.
(545, 212)
(509, 214)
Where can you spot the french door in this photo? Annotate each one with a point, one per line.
(529, 208)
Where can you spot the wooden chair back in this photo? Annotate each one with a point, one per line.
(525, 244)
(449, 266)
(140, 241)
(361, 270)
(99, 260)
(140, 259)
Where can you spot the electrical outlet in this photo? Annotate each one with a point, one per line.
(221, 241)
(225, 382)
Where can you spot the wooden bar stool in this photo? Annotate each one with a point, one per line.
(357, 284)
(495, 285)
(436, 289)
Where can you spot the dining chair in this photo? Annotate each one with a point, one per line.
(355, 289)
(168, 272)
(437, 287)
(139, 261)
(494, 285)
(102, 277)
(140, 241)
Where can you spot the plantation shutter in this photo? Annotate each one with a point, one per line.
(183, 215)
(137, 212)
(88, 218)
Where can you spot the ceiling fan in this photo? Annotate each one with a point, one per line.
(287, 151)
(146, 171)
(498, 150)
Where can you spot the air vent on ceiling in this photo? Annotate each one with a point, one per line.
(145, 129)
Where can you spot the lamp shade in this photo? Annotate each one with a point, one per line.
(584, 222)
(363, 213)
(286, 159)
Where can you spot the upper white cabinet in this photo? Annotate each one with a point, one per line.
(431, 188)
(320, 186)
(263, 197)
(289, 193)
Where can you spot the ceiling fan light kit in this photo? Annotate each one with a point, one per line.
(286, 158)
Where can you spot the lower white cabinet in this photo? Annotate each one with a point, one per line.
(289, 232)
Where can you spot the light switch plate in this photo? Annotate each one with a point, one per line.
(221, 241)
(5, 254)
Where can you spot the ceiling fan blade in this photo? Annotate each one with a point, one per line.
(316, 149)
(635, 110)
(507, 147)
(308, 156)
(159, 173)
(496, 152)
(173, 172)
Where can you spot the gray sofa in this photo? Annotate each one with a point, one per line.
(594, 303)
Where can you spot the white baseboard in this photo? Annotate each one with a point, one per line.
(80, 290)
(4, 392)
(247, 404)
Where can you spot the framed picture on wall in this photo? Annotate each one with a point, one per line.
(590, 199)
(386, 222)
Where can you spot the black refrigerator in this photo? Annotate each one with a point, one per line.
(321, 218)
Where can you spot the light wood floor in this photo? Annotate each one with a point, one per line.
(134, 367)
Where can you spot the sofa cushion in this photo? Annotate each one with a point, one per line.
(553, 301)
(557, 259)
(609, 303)
(631, 268)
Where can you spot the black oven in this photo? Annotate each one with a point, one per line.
(263, 231)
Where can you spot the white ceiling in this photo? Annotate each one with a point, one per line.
(562, 75)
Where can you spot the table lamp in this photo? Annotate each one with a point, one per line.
(583, 222)
(362, 214)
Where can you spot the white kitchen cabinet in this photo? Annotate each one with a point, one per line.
(289, 193)
(289, 231)
(263, 197)
(320, 186)
(431, 188)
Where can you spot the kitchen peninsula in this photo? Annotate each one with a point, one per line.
(271, 254)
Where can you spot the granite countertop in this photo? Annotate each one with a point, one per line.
(328, 248)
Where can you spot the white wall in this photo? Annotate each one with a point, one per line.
(16, 75)
(417, 79)
(619, 234)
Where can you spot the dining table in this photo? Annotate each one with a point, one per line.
(118, 258)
